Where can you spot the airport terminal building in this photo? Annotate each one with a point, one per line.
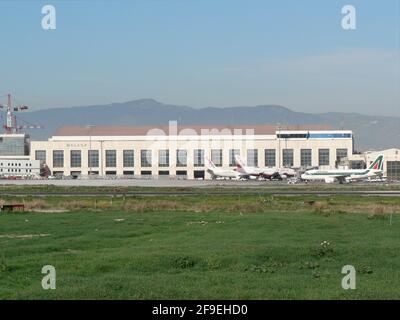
(181, 151)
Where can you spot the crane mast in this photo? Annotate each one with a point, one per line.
(11, 126)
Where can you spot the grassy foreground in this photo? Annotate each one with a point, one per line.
(224, 247)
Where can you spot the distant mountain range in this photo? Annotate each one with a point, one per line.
(371, 132)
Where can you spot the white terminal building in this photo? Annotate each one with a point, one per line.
(180, 151)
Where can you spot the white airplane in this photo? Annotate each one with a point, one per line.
(268, 173)
(216, 172)
(342, 175)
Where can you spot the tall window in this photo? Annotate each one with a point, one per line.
(340, 153)
(323, 157)
(58, 158)
(287, 158)
(129, 158)
(145, 158)
(393, 169)
(40, 155)
(163, 158)
(270, 157)
(111, 158)
(216, 157)
(252, 157)
(305, 157)
(181, 158)
(198, 158)
(232, 154)
(76, 158)
(93, 158)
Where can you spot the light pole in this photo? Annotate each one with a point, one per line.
(89, 127)
(279, 145)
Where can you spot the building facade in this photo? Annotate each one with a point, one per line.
(15, 144)
(19, 166)
(180, 152)
(15, 160)
(391, 163)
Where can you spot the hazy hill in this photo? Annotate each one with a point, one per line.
(371, 132)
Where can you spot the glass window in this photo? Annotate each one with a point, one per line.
(76, 158)
(340, 153)
(323, 157)
(393, 170)
(13, 146)
(287, 158)
(357, 164)
(270, 157)
(40, 155)
(252, 157)
(330, 135)
(198, 157)
(232, 154)
(216, 157)
(58, 158)
(93, 158)
(305, 157)
(111, 158)
(181, 158)
(129, 158)
(163, 158)
(292, 135)
(145, 158)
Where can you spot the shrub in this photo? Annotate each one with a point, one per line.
(378, 212)
(324, 249)
(75, 204)
(363, 269)
(319, 207)
(36, 204)
(183, 262)
(213, 263)
(3, 264)
(309, 265)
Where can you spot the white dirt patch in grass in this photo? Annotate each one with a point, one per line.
(49, 210)
(23, 236)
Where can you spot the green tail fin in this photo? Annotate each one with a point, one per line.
(377, 164)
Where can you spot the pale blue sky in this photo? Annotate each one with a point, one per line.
(204, 53)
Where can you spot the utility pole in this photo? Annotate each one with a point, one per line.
(279, 145)
(89, 127)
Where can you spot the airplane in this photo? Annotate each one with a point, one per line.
(222, 173)
(287, 172)
(267, 173)
(346, 175)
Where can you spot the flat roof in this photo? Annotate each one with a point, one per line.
(183, 129)
(13, 135)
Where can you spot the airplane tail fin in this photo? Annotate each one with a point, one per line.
(377, 164)
(239, 162)
(210, 164)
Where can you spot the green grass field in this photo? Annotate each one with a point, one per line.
(221, 247)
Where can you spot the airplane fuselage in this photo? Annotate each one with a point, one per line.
(220, 173)
(338, 174)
